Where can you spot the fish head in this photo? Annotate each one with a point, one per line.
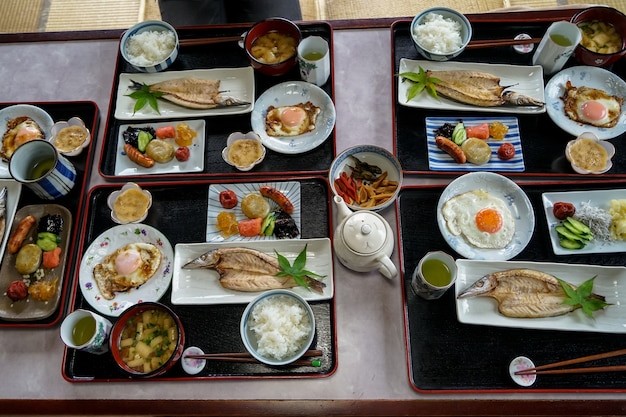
(206, 260)
(484, 286)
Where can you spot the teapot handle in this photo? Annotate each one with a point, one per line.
(387, 268)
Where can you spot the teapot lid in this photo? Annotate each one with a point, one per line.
(365, 232)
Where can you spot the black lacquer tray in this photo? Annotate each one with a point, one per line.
(446, 355)
(217, 129)
(543, 142)
(59, 111)
(179, 212)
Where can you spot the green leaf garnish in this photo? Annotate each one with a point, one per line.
(145, 96)
(422, 82)
(296, 271)
(583, 297)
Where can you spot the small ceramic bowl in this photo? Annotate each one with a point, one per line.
(241, 144)
(609, 15)
(147, 64)
(428, 46)
(116, 337)
(274, 24)
(140, 215)
(282, 300)
(608, 147)
(70, 137)
(372, 155)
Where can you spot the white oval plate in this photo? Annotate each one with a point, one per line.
(288, 94)
(500, 187)
(107, 243)
(589, 77)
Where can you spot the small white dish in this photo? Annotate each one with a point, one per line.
(287, 94)
(522, 363)
(115, 195)
(234, 137)
(59, 126)
(192, 366)
(608, 147)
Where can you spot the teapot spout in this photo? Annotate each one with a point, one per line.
(343, 211)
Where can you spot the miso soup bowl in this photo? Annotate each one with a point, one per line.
(604, 14)
(274, 24)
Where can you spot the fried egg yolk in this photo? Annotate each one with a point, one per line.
(127, 262)
(26, 134)
(488, 220)
(292, 116)
(291, 120)
(593, 110)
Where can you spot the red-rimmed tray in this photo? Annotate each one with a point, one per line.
(542, 141)
(89, 113)
(446, 356)
(179, 212)
(217, 128)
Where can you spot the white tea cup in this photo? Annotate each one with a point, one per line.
(314, 60)
(87, 331)
(556, 46)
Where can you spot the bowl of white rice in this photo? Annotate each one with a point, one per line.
(150, 46)
(277, 327)
(440, 33)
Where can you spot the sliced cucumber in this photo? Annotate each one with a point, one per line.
(582, 227)
(571, 244)
(569, 226)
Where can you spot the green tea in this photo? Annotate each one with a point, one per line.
(84, 330)
(560, 40)
(40, 169)
(313, 56)
(436, 273)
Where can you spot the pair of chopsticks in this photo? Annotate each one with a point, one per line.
(208, 41)
(245, 357)
(500, 42)
(547, 369)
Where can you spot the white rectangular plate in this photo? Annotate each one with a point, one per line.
(195, 163)
(201, 286)
(527, 80)
(439, 160)
(291, 189)
(598, 198)
(610, 282)
(234, 82)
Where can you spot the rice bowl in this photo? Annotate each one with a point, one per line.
(440, 33)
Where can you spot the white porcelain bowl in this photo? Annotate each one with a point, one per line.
(372, 155)
(115, 195)
(237, 136)
(59, 126)
(425, 48)
(146, 26)
(250, 337)
(608, 147)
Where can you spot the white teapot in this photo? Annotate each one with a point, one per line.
(363, 241)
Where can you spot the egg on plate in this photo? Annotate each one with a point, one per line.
(484, 220)
(291, 120)
(592, 106)
(128, 267)
(19, 131)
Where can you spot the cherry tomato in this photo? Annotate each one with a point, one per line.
(182, 154)
(506, 151)
(228, 199)
(563, 210)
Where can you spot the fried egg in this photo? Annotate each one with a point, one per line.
(484, 220)
(291, 120)
(592, 106)
(128, 267)
(19, 131)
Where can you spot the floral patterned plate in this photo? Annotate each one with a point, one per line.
(107, 243)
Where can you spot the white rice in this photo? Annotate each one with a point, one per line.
(438, 34)
(281, 326)
(150, 47)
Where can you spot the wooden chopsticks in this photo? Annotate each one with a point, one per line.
(245, 357)
(500, 42)
(208, 41)
(547, 369)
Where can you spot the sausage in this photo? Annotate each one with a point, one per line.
(20, 233)
(451, 149)
(278, 197)
(137, 157)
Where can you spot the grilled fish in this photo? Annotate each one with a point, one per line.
(523, 293)
(478, 89)
(194, 93)
(243, 269)
(3, 211)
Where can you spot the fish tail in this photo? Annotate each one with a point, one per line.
(135, 85)
(315, 285)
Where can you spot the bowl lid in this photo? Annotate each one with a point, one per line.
(364, 232)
